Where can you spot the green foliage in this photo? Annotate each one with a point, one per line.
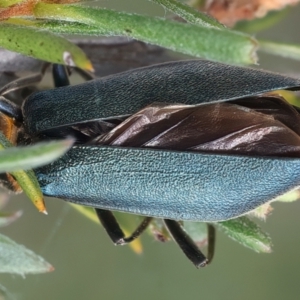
(201, 36)
(247, 233)
(16, 259)
(42, 45)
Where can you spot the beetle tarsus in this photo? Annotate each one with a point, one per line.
(187, 245)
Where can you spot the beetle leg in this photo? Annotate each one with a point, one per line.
(24, 81)
(115, 232)
(211, 231)
(60, 75)
(187, 245)
(85, 74)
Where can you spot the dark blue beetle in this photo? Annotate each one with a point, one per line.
(151, 182)
(159, 183)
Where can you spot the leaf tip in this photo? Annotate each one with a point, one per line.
(51, 268)
(40, 205)
(136, 246)
(80, 61)
(44, 212)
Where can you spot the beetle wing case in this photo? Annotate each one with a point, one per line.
(187, 82)
(168, 184)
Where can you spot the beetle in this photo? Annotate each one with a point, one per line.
(173, 185)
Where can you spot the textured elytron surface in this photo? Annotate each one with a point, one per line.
(189, 82)
(176, 185)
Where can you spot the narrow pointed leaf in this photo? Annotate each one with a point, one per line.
(201, 41)
(16, 259)
(280, 49)
(29, 157)
(260, 24)
(189, 14)
(31, 187)
(247, 233)
(42, 45)
(27, 180)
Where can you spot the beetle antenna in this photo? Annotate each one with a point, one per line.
(10, 109)
(24, 81)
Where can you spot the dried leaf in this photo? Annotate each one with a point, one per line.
(229, 12)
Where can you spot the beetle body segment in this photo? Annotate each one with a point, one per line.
(168, 184)
(186, 82)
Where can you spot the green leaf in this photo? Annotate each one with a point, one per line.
(189, 14)
(201, 41)
(291, 51)
(260, 24)
(16, 259)
(30, 186)
(42, 45)
(247, 233)
(28, 157)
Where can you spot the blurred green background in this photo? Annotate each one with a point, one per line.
(88, 266)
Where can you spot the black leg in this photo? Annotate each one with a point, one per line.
(60, 75)
(115, 232)
(85, 74)
(211, 231)
(187, 245)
